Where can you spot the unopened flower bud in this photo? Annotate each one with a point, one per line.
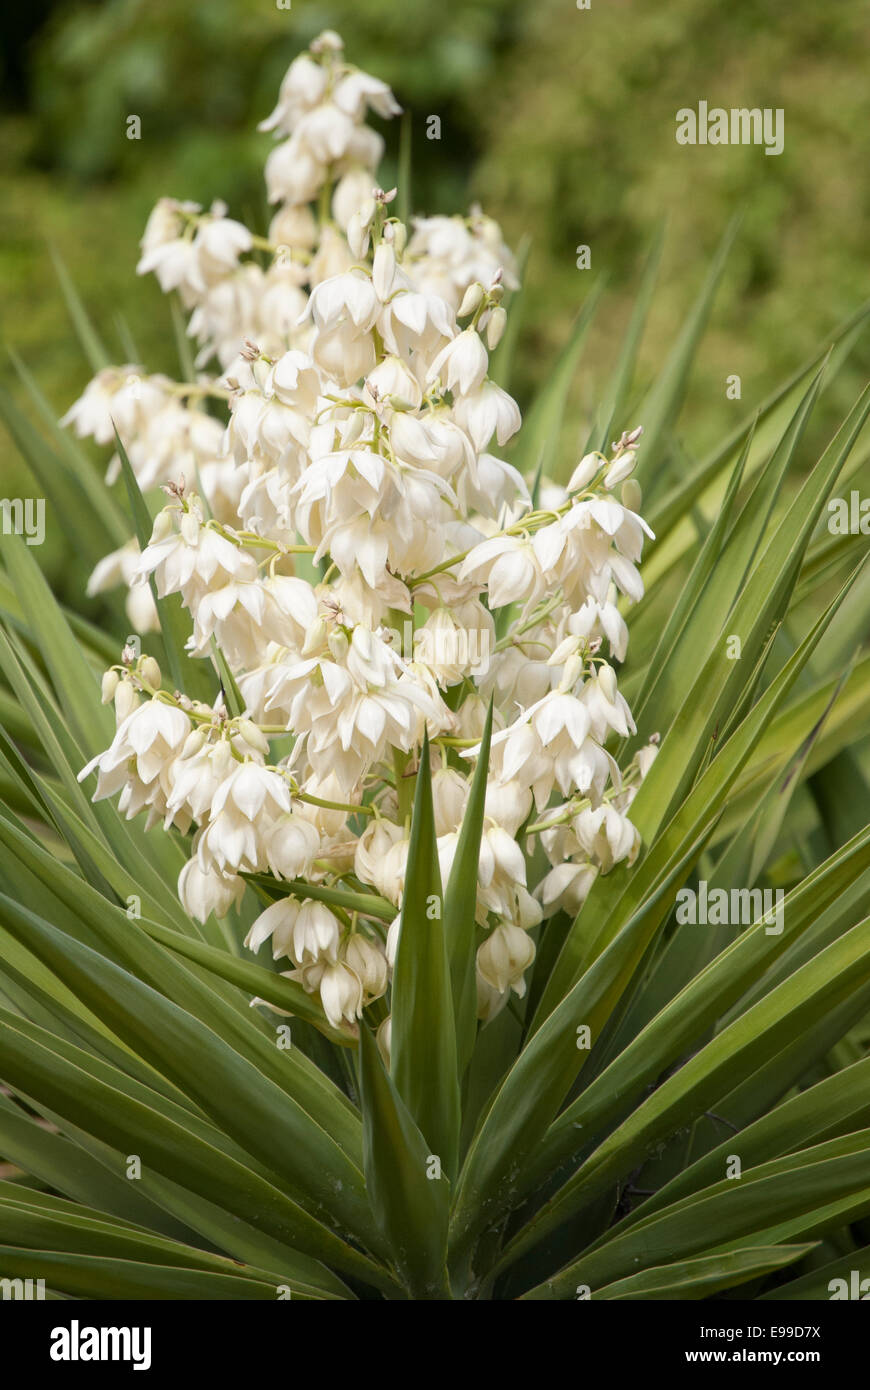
(253, 735)
(563, 650)
(619, 469)
(109, 685)
(126, 700)
(607, 682)
(400, 238)
(584, 472)
(471, 300)
(645, 757)
(496, 326)
(149, 670)
(573, 671)
(192, 744)
(384, 270)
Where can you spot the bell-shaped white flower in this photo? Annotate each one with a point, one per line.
(462, 364)
(504, 957)
(358, 90)
(367, 960)
(303, 86)
(204, 893)
(293, 844)
(485, 411)
(345, 298)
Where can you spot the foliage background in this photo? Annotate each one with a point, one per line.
(560, 121)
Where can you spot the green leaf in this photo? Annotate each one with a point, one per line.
(739, 867)
(423, 1047)
(834, 1106)
(186, 364)
(616, 400)
(762, 601)
(704, 999)
(703, 1277)
(494, 1174)
(52, 1159)
(410, 1207)
(87, 1276)
(800, 1188)
(95, 1175)
(250, 1102)
(91, 344)
(95, 1096)
(95, 503)
(817, 1286)
(794, 1006)
(703, 578)
(35, 1223)
(701, 619)
(285, 994)
(232, 695)
(76, 683)
(663, 402)
(539, 439)
(152, 862)
(65, 495)
(369, 904)
(677, 503)
(695, 816)
(33, 1220)
(460, 907)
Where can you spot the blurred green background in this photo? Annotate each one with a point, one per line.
(560, 121)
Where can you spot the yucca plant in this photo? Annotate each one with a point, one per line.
(655, 1100)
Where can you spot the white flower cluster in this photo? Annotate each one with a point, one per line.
(369, 567)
